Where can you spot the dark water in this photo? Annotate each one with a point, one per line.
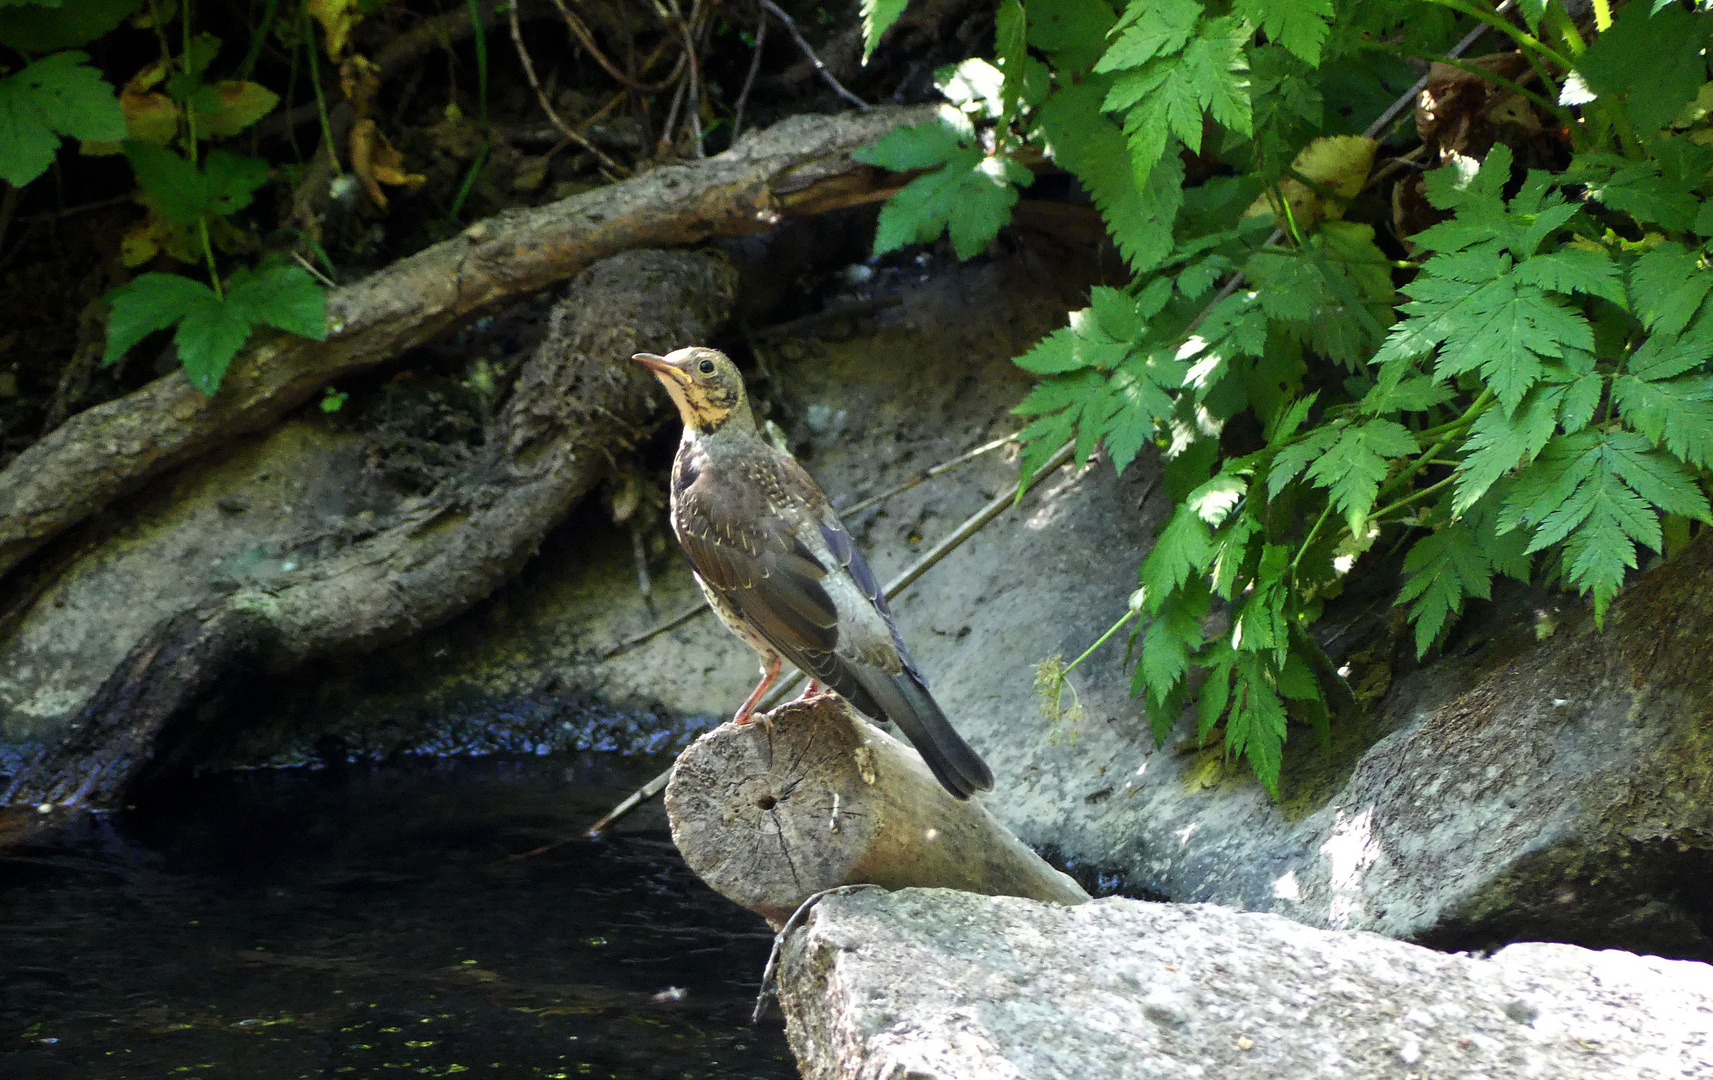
(366, 922)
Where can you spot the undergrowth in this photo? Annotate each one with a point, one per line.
(1501, 370)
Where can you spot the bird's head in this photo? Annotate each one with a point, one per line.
(704, 384)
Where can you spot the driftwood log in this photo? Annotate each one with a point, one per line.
(814, 797)
(577, 403)
(797, 167)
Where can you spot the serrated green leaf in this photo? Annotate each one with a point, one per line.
(1173, 636)
(178, 187)
(1674, 413)
(285, 297)
(1352, 467)
(1654, 59)
(1441, 570)
(55, 96)
(1078, 138)
(1152, 28)
(1292, 460)
(919, 146)
(1575, 270)
(1638, 188)
(1667, 285)
(1299, 25)
(1182, 550)
(146, 304)
(1115, 312)
(208, 337)
(232, 180)
(877, 18)
(1499, 442)
(970, 198)
(1255, 723)
(1053, 354)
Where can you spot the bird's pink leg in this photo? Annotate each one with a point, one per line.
(769, 674)
(810, 691)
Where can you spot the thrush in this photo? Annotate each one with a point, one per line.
(779, 568)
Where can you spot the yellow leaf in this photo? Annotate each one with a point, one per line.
(226, 108)
(1337, 164)
(375, 162)
(150, 116)
(360, 79)
(337, 18)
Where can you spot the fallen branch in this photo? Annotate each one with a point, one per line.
(812, 797)
(576, 403)
(800, 166)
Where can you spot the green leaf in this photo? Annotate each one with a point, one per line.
(1299, 25)
(1152, 28)
(1079, 139)
(1575, 270)
(1053, 354)
(1674, 413)
(1667, 285)
(209, 336)
(920, 146)
(285, 297)
(1255, 725)
(146, 304)
(1182, 549)
(232, 180)
(1011, 52)
(1653, 59)
(1457, 561)
(1074, 31)
(55, 96)
(1600, 493)
(1499, 442)
(969, 198)
(226, 108)
(178, 187)
(1352, 468)
(877, 18)
(1638, 188)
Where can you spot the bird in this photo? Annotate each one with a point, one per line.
(779, 568)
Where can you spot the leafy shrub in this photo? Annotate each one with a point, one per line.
(1540, 404)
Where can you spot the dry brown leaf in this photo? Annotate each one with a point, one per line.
(359, 78)
(375, 162)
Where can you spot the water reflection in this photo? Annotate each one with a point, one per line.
(367, 921)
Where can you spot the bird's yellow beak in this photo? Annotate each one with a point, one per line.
(660, 366)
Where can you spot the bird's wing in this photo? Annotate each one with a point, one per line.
(741, 544)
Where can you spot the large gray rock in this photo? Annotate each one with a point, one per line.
(937, 985)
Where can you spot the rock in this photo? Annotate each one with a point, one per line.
(938, 985)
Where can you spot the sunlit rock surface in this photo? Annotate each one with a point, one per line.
(937, 985)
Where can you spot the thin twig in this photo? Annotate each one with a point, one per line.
(587, 40)
(773, 9)
(547, 106)
(749, 80)
(768, 972)
(694, 95)
(903, 581)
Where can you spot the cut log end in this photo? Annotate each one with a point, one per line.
(813, 796)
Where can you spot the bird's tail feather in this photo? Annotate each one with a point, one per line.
(907, 703)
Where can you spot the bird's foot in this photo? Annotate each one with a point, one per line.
(809, 691)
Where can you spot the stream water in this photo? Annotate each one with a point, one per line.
(373, 921)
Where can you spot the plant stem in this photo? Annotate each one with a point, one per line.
(1113, 629)
(1410, 498)
(320, 98)
(1527, 41)
(1457, 428)
(1308, 540)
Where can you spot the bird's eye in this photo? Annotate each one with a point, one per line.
(706, 367)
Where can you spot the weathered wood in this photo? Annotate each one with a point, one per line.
(800, 166)
(813, 797)
(576, 402)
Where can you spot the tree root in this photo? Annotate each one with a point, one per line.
(800, 166)
(574, 404)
